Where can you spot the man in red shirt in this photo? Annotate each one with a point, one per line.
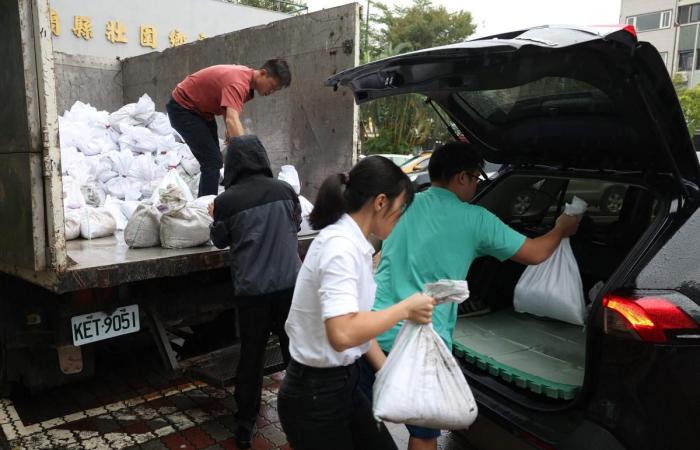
(219, 90)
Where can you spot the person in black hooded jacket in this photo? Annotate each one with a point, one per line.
(258, 217)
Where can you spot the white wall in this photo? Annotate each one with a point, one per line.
(190, 17)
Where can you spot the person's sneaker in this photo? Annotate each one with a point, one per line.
(243, 437)
(472, 307)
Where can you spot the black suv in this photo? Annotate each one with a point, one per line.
(564, 107)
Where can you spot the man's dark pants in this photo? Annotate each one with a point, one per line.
(258, 317)
(203, 139)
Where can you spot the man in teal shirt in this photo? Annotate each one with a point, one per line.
(439, 236)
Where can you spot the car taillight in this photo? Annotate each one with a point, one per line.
(631, 30)
(644, 318)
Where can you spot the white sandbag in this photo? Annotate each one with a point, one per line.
(143, 228)
(161, 124)
(137, 139)
(113, 206)
(192, 181)
(289, 174)
(85, 113)
(146, 173)
(187, 227)
(121, 161)
(72, 195)
(101, 168)
(182, 225)
(174, 179)
(96, 223)
(93, 193)
(123, 116)
(79, 175)
(71, 219)
(203, 202)
(91, 190)
(99, 145)
(554, 289)
(69, 157)
(168, 159)
(145, 110)
(140, 113)
(306, 207)
(167, 142)
(94, 140)
(123, 187)
(128, 208)
(72, 134)
(421, 383)
(190, 165)
(113, 135)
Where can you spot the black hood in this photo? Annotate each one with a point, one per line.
(245, 157)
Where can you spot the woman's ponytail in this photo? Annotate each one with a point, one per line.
(348, 192)
(330, 204)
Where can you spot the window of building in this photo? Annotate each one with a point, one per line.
(651, 21)
(686, 47)
(685, 60)
(689, 13)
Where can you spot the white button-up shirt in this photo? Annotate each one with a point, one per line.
(335, 279)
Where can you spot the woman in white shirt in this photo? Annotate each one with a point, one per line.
(330, 325)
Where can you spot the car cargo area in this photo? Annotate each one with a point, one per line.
(537, 354)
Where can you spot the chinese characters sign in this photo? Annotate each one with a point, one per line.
(116, 32)
(82, 27)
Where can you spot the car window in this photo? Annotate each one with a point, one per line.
(539, 199)
(536, 98)
(423, 165)
(411, 161)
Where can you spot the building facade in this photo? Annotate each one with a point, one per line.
(673, 27)
(122, 28)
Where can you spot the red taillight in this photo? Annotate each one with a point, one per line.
(631, 30)
(645, 318)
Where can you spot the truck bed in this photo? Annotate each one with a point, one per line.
(108, 261)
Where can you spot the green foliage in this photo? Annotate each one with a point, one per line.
(423, 25)
(690, 103)
(399, 124)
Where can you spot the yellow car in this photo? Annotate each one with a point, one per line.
(417, 164)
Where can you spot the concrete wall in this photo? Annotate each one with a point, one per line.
(190, 17)
(91, 80)
(307, 124)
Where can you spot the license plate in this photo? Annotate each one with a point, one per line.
(99, 326)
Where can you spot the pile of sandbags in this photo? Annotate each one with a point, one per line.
(172, 218)
(113, 162)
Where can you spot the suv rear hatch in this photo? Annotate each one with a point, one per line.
(593, 104)
(586, 98)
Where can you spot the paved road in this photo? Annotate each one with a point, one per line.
(132, 404)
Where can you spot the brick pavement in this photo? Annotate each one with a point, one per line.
(136, 407)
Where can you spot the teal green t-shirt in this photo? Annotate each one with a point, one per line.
(437, 238)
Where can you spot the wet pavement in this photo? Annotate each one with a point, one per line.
(132, 403)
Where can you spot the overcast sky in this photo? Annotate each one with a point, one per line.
(496, 16)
